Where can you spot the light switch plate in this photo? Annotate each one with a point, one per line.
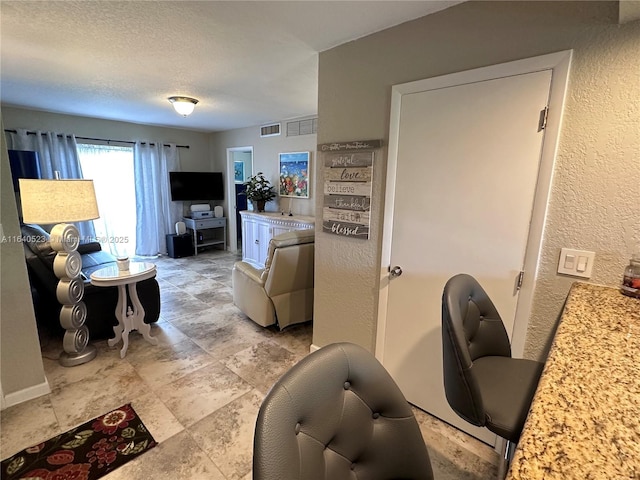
(577, 263)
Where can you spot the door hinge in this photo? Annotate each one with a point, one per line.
(520, 280)
(542, 122)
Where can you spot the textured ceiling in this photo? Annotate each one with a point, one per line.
(248, 63)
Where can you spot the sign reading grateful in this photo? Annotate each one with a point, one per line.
(348, 172)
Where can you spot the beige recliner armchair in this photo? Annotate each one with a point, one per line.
(282, 292)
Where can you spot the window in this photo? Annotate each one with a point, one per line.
(111, 169)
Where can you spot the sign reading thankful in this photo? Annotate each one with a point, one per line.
(348, 172)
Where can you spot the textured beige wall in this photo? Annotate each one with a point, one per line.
(20, 360)
(596, 186)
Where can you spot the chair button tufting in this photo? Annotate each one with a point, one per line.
(297, 429)
(347, 385)
(375, 415)
(353, 466)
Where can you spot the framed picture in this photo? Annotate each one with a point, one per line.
(238, 168)
(294, 174)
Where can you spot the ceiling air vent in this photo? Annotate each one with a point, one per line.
(270, 130)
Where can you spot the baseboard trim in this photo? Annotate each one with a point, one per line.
(26, 394)
(313, 348)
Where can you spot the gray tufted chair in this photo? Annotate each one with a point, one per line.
(336, 415)
(482, 383)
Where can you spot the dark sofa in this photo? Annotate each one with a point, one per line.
(100, 301)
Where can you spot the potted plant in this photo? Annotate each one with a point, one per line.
(259, 190)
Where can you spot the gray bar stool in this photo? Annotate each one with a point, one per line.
(483, 384)
(338, 415)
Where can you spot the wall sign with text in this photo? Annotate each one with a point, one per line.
(348, 173)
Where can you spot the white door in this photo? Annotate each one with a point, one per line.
(467, 166)
(249, 235)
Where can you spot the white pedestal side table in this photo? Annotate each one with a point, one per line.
(129, 318)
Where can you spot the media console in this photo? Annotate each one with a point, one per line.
(206, 232)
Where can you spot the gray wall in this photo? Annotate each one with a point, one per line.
(265, 159)
(596, 186)
(20, 359)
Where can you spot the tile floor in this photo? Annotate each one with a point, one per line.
(199, 390)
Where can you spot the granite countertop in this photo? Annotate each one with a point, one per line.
(584, 422)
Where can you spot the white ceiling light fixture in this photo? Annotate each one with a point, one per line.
(183, 105)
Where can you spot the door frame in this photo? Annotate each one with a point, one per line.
(232, 230)
(560, 64)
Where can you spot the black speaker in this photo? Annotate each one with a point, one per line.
(24, 164)
(179, 246)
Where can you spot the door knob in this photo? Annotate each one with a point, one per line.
(395, 272)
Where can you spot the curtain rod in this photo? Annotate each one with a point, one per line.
(99, 139)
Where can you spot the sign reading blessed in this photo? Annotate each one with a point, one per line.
(348, 172)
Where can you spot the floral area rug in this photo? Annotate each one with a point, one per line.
(86, 452)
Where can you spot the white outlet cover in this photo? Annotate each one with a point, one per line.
(582, 266)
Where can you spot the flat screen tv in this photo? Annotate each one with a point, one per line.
(196, 186)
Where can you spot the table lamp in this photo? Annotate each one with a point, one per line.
(55, 201)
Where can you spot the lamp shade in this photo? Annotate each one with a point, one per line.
(56, 201)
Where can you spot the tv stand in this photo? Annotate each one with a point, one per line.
(208, 231)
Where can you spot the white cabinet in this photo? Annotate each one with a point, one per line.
(255, 235)
(259, 228)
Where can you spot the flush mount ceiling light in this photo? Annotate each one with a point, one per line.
(183, 105)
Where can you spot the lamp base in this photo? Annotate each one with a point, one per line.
(73, 359)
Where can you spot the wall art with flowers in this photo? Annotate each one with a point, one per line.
(295, 174)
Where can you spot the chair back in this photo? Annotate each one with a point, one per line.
(288, 276)
(294, 238)
(338, 415)
(471, 328)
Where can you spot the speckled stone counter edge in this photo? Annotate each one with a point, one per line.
(584, 422)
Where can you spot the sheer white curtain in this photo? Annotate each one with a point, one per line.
(156, 213)
(111, 169)
(57, 152)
